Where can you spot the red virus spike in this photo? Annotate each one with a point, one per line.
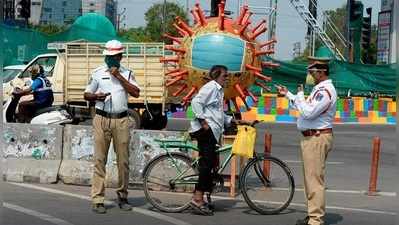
(262, 77)
(179, 74)
(257, 83)
(265, 52)
(172, 82)
(184, 26)
(253, 68)
(200, 14)
(256, 34)
(172, 48)
(239, 90)
(259, 25)
(246, 17)
(189, 94)
(169, 59)
(172, 71)
(221, 6)
(254, 98)
(221, 21)
(235, 105)
(270, 64)
(180, 90)
(242, 29)
(180, 30)
(267, 43)
(195, 16)
(221, 15)
(176, 39)
(242, 14)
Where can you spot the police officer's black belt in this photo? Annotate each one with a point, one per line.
(111, 115)
(316, 132)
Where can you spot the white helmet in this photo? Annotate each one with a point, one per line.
(113, 47)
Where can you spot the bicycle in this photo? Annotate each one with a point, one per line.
(170, 178)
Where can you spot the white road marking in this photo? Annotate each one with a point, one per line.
(299, 161)
(135, 209)
(179, 222)
(37, 214)
(328, 206)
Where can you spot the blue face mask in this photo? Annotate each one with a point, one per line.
(112, 62)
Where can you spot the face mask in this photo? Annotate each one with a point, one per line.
(112, 62)
(310, 80)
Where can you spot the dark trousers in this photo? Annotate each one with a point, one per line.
(208, 158)
(26, 111)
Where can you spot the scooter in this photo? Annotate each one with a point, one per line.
(49, 115)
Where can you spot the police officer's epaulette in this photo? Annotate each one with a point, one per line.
(102, 67)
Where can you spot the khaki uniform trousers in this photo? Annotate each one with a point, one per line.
(106, 129)
(314, 154)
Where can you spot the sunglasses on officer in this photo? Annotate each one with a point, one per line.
(314, 70)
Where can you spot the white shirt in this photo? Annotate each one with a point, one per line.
(102, 81)
(318, 110)
(208, 105)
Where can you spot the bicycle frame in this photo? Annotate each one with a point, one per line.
(187, 145)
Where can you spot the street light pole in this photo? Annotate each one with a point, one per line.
(119, 19)
(164, 17)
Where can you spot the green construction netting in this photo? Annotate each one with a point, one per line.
(20, 45)
(352, 79)
(349, 79)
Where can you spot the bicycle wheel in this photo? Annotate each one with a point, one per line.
(267, 185)
(169, 181)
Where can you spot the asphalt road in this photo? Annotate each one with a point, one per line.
(347, 177)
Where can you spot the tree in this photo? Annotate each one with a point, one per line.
(138, 34)
(154, 18)
(49, 29)
(338, 18)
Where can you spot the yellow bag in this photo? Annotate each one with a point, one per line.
(244, 143)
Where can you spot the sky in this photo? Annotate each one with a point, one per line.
(290, 26)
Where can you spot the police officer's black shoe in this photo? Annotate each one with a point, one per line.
(303, 221)
(99, 208)
(124, 204)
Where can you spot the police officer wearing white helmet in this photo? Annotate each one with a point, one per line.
(315, 122)
(109, 87)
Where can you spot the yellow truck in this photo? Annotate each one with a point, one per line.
(70, 68)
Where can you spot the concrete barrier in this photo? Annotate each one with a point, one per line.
(77, 164)
(144, 148)
(31, 153)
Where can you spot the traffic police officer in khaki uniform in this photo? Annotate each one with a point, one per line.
(109, 87)
(317, 113)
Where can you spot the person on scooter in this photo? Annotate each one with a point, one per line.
(43, 96)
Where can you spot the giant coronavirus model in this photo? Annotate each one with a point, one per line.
(218, 40)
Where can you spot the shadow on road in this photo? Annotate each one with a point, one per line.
(332, 218)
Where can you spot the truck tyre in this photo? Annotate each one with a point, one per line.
(158, 121)
(134, 119)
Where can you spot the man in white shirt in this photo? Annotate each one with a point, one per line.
(108, 87)
(207, 127)
(315, 121)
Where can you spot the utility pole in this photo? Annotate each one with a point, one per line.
(215, 8)
(2, 11)
(119, 18)
(164, 17)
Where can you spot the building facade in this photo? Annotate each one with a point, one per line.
(60, 12)
(106, 8)
(387, 32)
